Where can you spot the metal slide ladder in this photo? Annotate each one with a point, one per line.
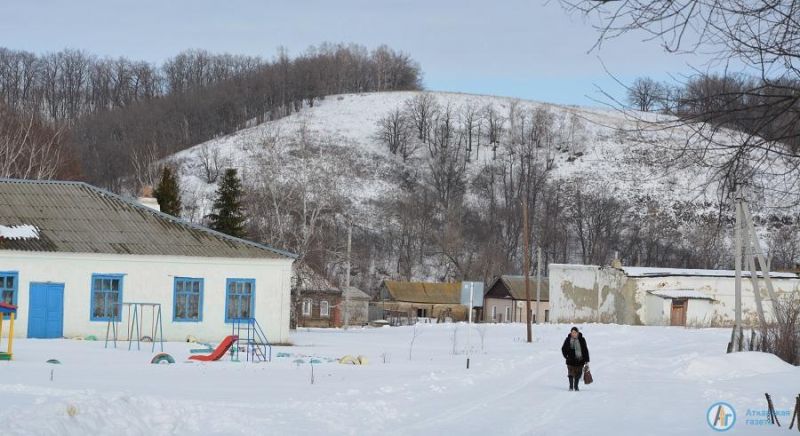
(252, 339)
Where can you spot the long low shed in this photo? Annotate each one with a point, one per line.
(90, 250)
(657, 296)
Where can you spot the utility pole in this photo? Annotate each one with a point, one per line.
(763, 262)
(347, 277)
(538, 282)
(526, 269)
(469, 321)
(737, 261)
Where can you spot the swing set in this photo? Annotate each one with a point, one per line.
(135, 325)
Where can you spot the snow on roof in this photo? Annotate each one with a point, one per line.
(23, 231)
(637, 271)
(681, 293)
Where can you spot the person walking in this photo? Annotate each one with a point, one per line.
(576, 353)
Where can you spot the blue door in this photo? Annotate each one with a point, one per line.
(46, 311)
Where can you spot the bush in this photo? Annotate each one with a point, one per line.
(783, 340)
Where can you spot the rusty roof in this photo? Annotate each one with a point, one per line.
(424, 292)
(515, 286)
(355, 294)
(75, 217)
(306, 279)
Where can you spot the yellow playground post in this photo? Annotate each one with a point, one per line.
(11, 310)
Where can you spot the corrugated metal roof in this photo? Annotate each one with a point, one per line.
(423, 292)
(75, 217)
(516, 287)
(355, 293)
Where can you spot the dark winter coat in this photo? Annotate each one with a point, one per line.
(569, 353)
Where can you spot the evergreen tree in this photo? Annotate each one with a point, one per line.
(167, 193)
(228, 216)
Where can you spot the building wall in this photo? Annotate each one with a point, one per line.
(357, 311)
(582, 293)
(517, 313)
(150, 279)
(316, 319)
(458, 311)
(719, 312)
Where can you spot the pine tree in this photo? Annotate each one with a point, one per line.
(167, 193)
(228, 216)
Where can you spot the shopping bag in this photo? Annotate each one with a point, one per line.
(587, 375)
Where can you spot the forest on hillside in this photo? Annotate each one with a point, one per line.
(74, 115)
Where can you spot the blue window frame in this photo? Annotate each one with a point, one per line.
(240, 297)
(188, 300)
(9, 283)
(106, 296)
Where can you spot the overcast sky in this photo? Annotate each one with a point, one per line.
(529, 49)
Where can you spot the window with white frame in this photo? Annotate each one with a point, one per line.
(508, 314)
(324, 309)
(307, 307)
(494, 313)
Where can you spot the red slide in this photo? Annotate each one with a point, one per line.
(222, 348)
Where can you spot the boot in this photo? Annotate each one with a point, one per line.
(571, 383)
(577, 379)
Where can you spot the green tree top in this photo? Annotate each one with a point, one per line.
(228, 216)
(167, 193)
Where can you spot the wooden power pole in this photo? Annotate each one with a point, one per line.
(526, 268)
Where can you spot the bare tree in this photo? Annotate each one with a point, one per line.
(29, 149)
(645, 93)
(211, 163)
(494, 124)
(394, 132)
(422, 109)
(470, 124)
(758, 34)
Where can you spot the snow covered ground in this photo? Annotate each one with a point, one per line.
(648, 381)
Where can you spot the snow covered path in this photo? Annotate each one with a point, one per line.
(649, 380)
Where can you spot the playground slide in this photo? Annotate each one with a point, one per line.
(222, 348)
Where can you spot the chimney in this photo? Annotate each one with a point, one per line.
(146, 198)
(616, 263)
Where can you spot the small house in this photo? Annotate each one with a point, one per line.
(317, 301)
(412, 300)
(504, 300)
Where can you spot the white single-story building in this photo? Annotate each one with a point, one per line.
(93, 250)
(657, 296)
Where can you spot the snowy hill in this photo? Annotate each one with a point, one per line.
(331, 159)
(605, 154)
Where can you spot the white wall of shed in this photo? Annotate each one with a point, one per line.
(150, 279)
